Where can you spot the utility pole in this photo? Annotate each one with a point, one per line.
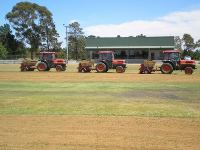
(67, 51)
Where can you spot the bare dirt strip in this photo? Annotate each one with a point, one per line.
(96, 77)
(93, 132)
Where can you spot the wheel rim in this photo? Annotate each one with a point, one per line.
(166, 68)
(100, 67)
(41, 67)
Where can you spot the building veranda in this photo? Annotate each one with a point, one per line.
(133, 49)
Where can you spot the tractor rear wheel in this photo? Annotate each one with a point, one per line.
(188, 70)
(166, 68)
(59, 68)
(42, 66)
(100, 67)
(120, 69)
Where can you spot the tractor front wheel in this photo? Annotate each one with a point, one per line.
(59, 68)
(188, 70)
(120, 69)
(100, 67)
(166, 68)
(42, 66)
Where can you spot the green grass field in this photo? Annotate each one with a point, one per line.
(124, 98)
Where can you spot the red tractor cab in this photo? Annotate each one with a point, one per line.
(48, 60)
(107, 61)
(172, 61)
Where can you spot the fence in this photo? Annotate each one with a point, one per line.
(10, 61)
(20, 60)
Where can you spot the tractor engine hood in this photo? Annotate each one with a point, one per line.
(187, 62)
(119, 61)
(59, 61)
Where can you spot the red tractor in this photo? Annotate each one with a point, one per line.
(105, 62)
(171, 61)
(47, 60)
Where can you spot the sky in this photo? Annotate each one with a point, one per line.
(109, 18)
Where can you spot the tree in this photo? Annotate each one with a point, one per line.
(3, 51)
(197, 44)
(50, 37)
(76, 41)
(178, 43)
(188, 42)
(196, 54)
(190, 48)
(33, 24)
(8, 40)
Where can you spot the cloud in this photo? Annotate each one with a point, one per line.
(173, 24)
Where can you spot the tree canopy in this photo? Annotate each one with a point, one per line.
(8, 40)
(188, 42)
(178, 43)
(34, 25)
(76, 41)
(190, 47)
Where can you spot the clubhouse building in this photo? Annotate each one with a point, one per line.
(133, 49)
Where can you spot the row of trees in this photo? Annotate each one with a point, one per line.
(35, 30)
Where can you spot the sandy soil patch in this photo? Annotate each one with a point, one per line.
(90, 132)
(95, 77)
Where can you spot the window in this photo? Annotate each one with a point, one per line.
(95, 55)
(171, 56)
(105, 56)
(138, 54)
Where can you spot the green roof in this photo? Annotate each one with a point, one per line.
(129, 42)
